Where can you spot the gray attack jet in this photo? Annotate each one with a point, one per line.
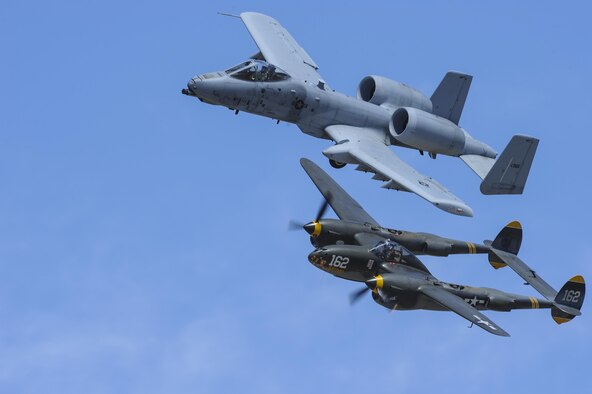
(282, 82)
(357, 248)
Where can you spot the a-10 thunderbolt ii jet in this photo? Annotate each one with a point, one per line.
(357, 248)
(282, 82)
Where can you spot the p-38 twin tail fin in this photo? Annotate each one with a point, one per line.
(503, 252)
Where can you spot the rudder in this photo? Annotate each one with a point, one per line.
(569, 300)
(449, 97)
(509, 173)
(508, 240)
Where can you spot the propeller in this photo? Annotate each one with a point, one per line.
(323, 208)
(296, 225)
(374, 284)
(356, 295)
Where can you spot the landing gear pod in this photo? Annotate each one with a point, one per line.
(336, 164)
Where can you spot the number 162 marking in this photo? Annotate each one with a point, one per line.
(339, 262)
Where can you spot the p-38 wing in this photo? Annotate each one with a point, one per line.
(460, 307)
(342, 203)
(367, 148)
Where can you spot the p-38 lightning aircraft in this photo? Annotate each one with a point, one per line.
(281, 81)
(357, 248)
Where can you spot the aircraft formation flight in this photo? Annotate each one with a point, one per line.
(282, 82)
(357, 248)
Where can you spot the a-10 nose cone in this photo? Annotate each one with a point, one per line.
(206, 87)
(194, 84)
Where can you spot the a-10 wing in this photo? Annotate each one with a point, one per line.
(279, 48)
(365, 147)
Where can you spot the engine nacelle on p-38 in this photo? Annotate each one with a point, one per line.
(428, 132)
(388, 93)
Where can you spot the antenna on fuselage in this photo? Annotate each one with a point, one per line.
(226, 14)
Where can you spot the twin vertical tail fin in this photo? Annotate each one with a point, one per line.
(510, 171)
(507, 174)
(569, 300)
(508, 240)
(449, 97)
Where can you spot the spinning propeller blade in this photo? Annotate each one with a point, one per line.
(356, 295)
(294, 225)
(322, 210)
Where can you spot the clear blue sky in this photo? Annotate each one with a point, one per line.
(143, 242)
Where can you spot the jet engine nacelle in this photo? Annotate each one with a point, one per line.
(427, 132)
(386, 92)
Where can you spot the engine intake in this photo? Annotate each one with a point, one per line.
(386, 92)
(428, 132)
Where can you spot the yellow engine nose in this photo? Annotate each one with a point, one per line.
(313, 228)
(375, 283)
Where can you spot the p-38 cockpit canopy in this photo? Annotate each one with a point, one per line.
(257, 71)
(388, 250)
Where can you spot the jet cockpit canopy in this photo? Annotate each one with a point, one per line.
(257, 71)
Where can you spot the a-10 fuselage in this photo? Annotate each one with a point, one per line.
(311, 107)
(263, 89)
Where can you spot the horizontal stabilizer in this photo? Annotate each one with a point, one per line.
(567, 303)
(510, 171)
(480, 165)
(526, 273)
